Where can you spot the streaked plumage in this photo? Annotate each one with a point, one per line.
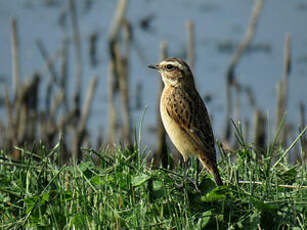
(185, 116)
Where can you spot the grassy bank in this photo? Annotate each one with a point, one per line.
(120, 192)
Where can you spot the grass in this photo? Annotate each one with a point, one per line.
(122, 193)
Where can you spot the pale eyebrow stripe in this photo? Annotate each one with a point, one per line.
(174, 63)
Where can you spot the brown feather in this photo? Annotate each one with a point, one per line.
(185, 116)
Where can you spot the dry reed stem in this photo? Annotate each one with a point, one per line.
(64, 72)
(44, 53)
(15, 57)
(259, 138)
(138, 96)
(99, 142)
(282, 90)
(161, 152)
(237, 88)
(27, 109)
(247, 37)
(278, 185)
(87, 105)
(56, 104)
(302, 125)
(279, 107)
(302, 115)
(234, 61)
(236, 112)
(80, 133)
(191, 44)
(8, 106)
(115, 66)
(117, 20)
(22, 125)
(123, 67)
(77, 47)
(111, 106)
(286, 67)
(19, 122)
(10, 130)
(120, 77)
(250, 96)
(52, 59)
(2, 134)
(93, 48)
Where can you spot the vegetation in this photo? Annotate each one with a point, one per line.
(118, 191)
(41, 188)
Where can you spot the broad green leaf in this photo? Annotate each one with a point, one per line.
(217, 194)
(205, 218)
(139, 180)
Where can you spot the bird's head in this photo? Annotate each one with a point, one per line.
(174, 72)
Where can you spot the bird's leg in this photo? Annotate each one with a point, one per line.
(184, 179)
(185, 171)
(197, 175)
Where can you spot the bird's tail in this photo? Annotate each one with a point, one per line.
(212, 168)
(217, 177)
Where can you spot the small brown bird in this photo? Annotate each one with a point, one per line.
(185, 116)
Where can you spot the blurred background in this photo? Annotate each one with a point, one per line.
(81, 67)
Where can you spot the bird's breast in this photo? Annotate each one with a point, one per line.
(177, 134)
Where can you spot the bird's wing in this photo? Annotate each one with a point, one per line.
(189, 111)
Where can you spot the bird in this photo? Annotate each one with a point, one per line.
(185, 116)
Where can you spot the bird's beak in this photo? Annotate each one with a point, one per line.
(154, 66)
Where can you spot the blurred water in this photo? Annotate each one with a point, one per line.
(218, 24)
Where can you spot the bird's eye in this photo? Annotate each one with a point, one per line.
(169, 67)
